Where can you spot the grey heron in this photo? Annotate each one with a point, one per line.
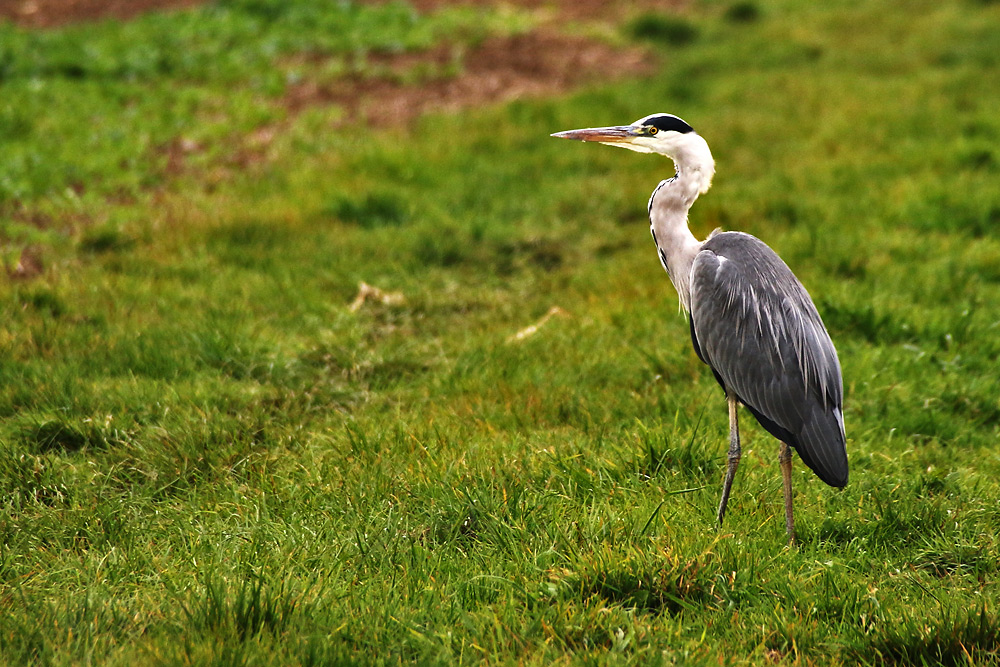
(751, 319)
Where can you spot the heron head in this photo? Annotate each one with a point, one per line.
(661, 133)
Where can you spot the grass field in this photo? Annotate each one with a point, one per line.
(209, 458)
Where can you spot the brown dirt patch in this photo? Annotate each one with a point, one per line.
(501, 69)
(51, 13)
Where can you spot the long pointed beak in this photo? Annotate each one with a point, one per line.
(621, 134)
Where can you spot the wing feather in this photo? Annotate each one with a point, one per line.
(754, 324)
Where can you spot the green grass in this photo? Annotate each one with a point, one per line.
(208, 458)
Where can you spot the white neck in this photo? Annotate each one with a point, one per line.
(668, 209)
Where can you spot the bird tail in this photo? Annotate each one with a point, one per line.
(822, 446)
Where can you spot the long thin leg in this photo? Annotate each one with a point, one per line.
(734, 456)
(785, 461)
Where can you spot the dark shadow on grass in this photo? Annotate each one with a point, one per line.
(370, 211)
(896, 528)
(687, 458)
(545, 254)
(635, 591)
(742, 12)
(359, 372)
(253, 608)
(44, 301)
(252, 244)
(850, 321)
(56, 435)
(944, 560)
(647, 585)
(664, 29)
(955, 637)
(104, 240)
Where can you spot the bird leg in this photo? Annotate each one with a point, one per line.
(734, 456)
(785, 461)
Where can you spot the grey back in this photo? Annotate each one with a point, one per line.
(754, 324)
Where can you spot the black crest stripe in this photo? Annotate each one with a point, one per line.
(666, 123)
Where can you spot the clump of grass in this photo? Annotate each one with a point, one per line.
(56, 435)
(30, 480)
(372, 210)
(105, 240)
(443, 248)
(254, 607)
(66, 436)
(88, 621)
(14, 125)
(643, 582)
(866, 322)
(542, 253)
(742, 12)
(978, 158)
(665, 29)
(951, 559)
(45, 301)
(954, 637)
(688, 457)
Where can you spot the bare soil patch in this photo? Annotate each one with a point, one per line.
(501, 69)
(51, 13)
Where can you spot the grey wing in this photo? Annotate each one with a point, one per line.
(754, 324)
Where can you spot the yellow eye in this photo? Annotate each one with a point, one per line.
(652, 131)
